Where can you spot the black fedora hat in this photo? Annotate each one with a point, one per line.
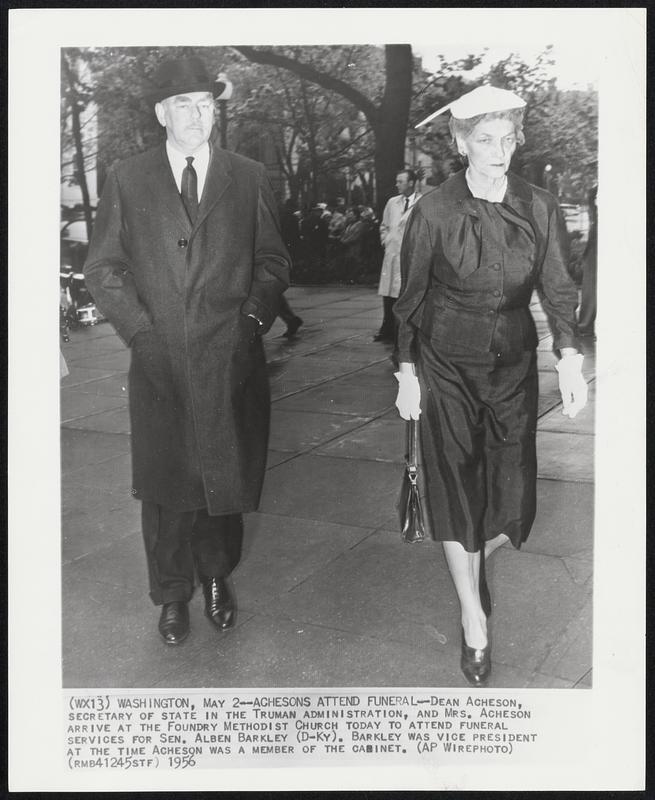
(181, 76)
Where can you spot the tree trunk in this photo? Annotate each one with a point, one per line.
(311, 141)
(80, 171)
(388, 120)
(391, 125)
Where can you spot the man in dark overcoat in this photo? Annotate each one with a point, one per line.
(187, 262)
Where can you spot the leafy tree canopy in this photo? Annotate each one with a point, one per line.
(560, 127)
(323, 109)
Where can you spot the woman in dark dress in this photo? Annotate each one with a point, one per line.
(473, 251)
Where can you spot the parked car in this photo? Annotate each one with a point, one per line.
(77, 307)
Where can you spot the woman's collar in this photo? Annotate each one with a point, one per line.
(494, 193)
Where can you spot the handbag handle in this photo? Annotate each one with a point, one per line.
(412, 445)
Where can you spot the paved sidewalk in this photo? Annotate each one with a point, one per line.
(328, 594)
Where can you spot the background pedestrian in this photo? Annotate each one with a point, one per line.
(392, 227)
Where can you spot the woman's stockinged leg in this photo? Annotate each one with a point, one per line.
(465, 571)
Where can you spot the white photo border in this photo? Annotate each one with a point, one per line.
(614, 723)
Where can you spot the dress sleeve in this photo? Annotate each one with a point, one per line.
(557, 291)
(415, 261)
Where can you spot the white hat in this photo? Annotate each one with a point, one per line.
(483, 100)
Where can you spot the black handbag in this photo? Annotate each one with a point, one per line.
(412, 524)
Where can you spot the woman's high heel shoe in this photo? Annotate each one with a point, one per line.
(475, 663)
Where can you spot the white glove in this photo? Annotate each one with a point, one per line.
(572, 385)
(408, 401)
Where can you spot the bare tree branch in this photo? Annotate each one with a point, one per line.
(315, 76)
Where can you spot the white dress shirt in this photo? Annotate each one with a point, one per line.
(177, 160)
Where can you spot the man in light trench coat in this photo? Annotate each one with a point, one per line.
(392, 227)
(187, 262)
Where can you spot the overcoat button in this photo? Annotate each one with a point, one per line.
(496, 293)
(491, 312)
(496, 266)
(182, 242)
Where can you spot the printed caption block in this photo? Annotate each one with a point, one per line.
(210, 729)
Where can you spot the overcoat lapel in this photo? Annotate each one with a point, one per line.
(217, 182)
(164, 189)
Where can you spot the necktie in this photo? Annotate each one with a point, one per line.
(190, 189)
(406, 204)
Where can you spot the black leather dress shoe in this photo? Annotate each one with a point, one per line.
(292, 327)
(174, 622)
(219, 602)
(475, 663)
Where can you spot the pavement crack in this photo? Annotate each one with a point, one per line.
(579, 570)
(587, 675)
(330, 379)
(337, 435)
